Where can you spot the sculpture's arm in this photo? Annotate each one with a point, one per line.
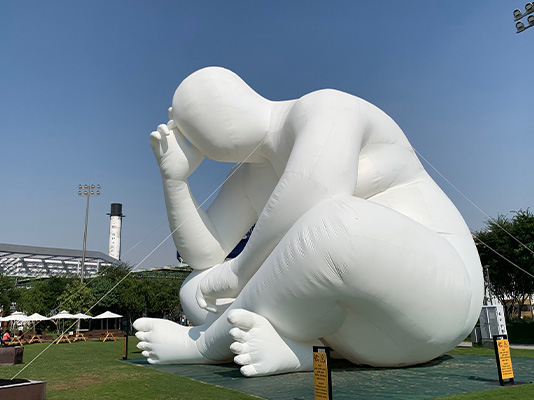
(327, 130)
(203, 239)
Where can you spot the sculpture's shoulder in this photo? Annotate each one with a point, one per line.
(321, 107)
(324, 97)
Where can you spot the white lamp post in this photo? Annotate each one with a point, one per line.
(87, 191)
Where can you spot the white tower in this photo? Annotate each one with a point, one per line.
(115, 225)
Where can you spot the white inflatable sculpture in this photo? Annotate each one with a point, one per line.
(355, 246)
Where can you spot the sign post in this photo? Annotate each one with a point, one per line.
(125, 347)
(504, 361)
(322, 376)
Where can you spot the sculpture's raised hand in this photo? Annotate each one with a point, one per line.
(176, 158)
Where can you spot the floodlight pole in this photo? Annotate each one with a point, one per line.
(87, 191)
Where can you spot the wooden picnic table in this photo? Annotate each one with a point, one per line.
(63, 338)
(107, 336)
(36, 338)
(79, 336)
(14, 340)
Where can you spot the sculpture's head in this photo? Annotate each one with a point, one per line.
(220, 114)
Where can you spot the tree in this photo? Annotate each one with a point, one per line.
(76, 297)
(42, 296)
(101, 287)
(132, 298)
(163, 297)
(498, 250)
(8, 292)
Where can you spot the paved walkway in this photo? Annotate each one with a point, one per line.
(450, 374)
(512, 346)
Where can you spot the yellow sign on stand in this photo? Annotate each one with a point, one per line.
(321, 373)
(504, 361)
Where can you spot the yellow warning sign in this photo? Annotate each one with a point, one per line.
(505, 361)
(320, 376)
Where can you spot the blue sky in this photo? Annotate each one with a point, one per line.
(82, 85)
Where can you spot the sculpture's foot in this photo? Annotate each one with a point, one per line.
(166, 342)
(262, 351)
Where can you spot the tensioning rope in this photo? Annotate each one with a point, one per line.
(234, 170)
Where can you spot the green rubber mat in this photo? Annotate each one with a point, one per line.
(450, 374)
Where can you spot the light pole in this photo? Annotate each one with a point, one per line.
(520, 26)
(87, 191)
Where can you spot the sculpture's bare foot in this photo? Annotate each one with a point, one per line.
(262, 351)
(166, 342)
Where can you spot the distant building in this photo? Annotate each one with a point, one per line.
(33, 261)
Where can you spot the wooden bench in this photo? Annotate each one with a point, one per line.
(47, 337)
(95, 334)
(103, 334)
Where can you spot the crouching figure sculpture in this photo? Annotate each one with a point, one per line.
(355, 246)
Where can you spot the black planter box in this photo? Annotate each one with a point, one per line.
(22, 389)
(11, 355)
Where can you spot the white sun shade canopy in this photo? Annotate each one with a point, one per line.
(63, 315)
(107, 314)
(37, 317)
(16, 316)
(81, 316)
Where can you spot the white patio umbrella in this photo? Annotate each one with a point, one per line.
(107, 315)
(61, 316)
(17, 316)
(81, 316)
(35, 318)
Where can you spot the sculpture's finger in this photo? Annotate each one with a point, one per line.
(211, 307)
(171, 125)
(200, 298)
(155, 137)
(162, 129)
(204, 302)
(169, 112)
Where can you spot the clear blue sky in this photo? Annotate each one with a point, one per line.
(82, 85)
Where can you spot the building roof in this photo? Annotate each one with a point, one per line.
(38, 261)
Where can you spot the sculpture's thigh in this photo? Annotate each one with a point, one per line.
(405, 291)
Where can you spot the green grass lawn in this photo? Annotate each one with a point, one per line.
(93, 370)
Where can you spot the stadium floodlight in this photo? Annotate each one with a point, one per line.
(88, 191)
(529, 9)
